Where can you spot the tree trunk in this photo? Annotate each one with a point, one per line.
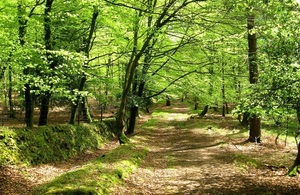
(294, 170)
(132, 119)
(196, 106)
(86, 50)
(86, 115)
(223, 90)
(245, 121)
(10, 99)
(128, 81)
(168, 101)
(298, 113)
(255, 127)
(29, 98)
(161, 20)
(52, 62)
(77, 101)
(224, 110)
(227, 108)
(44, 110)
(203, 113)
(29, 106)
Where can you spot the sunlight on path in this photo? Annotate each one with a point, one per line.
(186, 157)
(180, 161)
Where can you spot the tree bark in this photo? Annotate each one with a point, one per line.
(10, 99)
(255, 126)
(52, 61)
(298, 112)
(196, 106)
(203, 113)
(223, 90)
(44, 109)
(132, 119)
(254, 122)
(168, 101)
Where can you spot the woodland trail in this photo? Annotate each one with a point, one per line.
(183, 160)
(185, 157)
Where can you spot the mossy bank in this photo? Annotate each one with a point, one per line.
(50, 143)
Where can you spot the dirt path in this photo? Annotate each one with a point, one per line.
(192, 161)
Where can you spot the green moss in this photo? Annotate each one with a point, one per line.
(294, 171)
(150, 123)
(49, 143)
(100, 175)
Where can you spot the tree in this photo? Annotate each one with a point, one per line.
(254, 120)
(86, 50)
(164, 16)
(23, 23)
(51, 59)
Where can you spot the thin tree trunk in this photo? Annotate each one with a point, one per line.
(129, 80)
(77, 101)
(44, 109)
(132, 119)
(196, 106)
(168, 101)
(203, 113)
(223, 90)
(10, 99)
(254, 122)
(86, 50)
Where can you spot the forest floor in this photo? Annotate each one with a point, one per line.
(186, 156)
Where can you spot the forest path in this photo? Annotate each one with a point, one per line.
(187, 160)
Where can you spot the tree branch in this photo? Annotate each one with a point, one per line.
(175, 80)
(127, 6)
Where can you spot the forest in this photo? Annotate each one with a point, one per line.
(112, 80)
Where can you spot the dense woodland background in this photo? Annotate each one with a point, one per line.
(241, 57)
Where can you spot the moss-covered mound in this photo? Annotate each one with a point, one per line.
(49, 143)
(99, 176)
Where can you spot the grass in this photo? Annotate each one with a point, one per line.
(98, 176)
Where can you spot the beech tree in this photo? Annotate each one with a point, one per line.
(164, 13)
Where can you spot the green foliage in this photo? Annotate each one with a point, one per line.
(99, 176)
(50, 143)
